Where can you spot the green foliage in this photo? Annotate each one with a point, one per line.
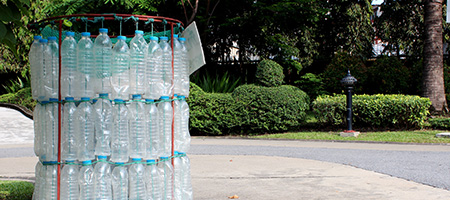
(270, 109)
(249, 109)
(15, 85)
(439, 123)
(269, 73)
(312, 84)
(337, 69)
(400, 111)
(217, 84)
(22, 97)
(16, 190)
(388, 75)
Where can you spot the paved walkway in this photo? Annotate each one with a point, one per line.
(222, 168)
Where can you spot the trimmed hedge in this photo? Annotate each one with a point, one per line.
(269, 73)
(16, 190)
(249, 109)
(398, 111)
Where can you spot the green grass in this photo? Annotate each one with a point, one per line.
(419, 136)
(16, 190)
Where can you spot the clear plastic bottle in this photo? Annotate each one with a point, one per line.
(68, 65)
(137, 127)
(45, 62)
(166, 67)
(50, 136)
(120, 182)
(152, 130)
(185, 68)
(137, 176)
(102, 59)
(103, 125)
(51, 81)
(166, 170)
(86, 180)
(51, 180)
(85, 66)
(153, 180)
(138, 51)
(120, 135)
(177, 134)
(177, 65)
(185, 136)
(39, 184)
(68, 141)
(35, 65)
(102, 179)
(165, 123)
(183, 186)
(84, 128)
(38, 119)
(120, 80)
(69, 181)
(154, 86)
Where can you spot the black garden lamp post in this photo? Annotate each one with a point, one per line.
(348, 81)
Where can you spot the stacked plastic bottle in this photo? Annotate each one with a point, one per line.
(131, 136)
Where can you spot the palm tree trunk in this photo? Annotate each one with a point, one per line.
(433, 63)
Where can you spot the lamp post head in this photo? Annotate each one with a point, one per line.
(348, 80)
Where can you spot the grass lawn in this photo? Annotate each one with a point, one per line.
(419, 136)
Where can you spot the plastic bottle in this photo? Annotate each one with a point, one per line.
(39, 173)
(50, 135)
(120, 182)
(153, 180)
(185, 68)
(165, 123)
(35, 65)
(51, 81)
(86, 180)
(183, 186)
(120, 134)
(177, 65)
(166, 69)
(154, 86)
(39, 110)
(102, 59)
(152, 130)
(185, 136)
(69, 181)
(166, 170)
(86, 66)
(120, 80)
(137, 127)
(68, 141)
(137, 176)
(102, 179)
(103, 125)
(68, 65)
(178, 138)
(138, 51)
(84, 128)
(51, 180)
(44, 58)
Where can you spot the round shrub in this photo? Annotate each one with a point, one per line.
(270, 109)
(269, 73)
(388, 75)
(337, 70)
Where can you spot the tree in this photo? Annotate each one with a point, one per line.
(433, 72)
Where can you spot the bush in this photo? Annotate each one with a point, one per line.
(270, 109)
(22, 97)
(397, 111)
(439, 123)
(269, 73)
(337, 69)
(16, 190)
(388, 75)
(249, 109)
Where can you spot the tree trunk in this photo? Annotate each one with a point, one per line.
(433, 63)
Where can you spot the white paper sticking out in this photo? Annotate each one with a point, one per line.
(194, 47)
